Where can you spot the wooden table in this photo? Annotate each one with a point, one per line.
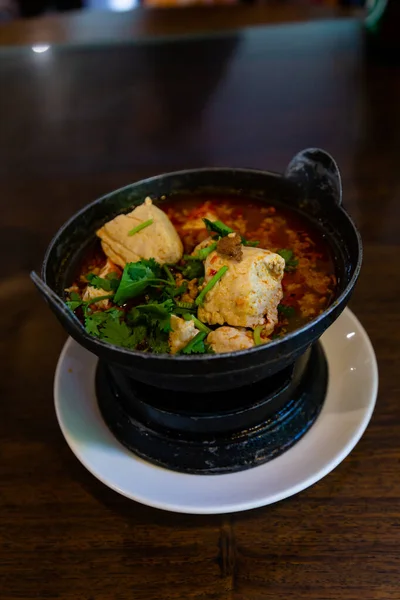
(77, 122)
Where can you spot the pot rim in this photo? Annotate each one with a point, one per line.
(204, 357)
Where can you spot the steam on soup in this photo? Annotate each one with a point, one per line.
(200, 275)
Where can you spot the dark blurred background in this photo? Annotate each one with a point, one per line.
(32, 8)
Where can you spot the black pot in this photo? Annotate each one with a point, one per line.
(311, 186)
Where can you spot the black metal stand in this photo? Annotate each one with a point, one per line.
(214, 433)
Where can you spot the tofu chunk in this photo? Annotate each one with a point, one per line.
(230, 339)
(92, 292)
(248, 294)
(198, 223)
(204, 244)
(159, 240)
(181, 334)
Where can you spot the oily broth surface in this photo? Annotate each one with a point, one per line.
(309, 288)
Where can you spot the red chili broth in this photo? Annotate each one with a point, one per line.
(309, 288)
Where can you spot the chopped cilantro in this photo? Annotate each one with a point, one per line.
(139, 334)
(115, 331)
(109, 283)
(210, 285)
(140, 227)
(198, 324)
(88, 303)
(94, 321)
(286, 311)
(158, 342)
(157, 314)
(177, 290)
(196, 344)
(74, 301)
(169, 275)
(193, 269)
(288, 256)
(109, 326)
(136, 278)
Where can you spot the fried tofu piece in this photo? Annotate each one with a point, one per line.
(204, 244)
(197, 223)
(159, 240)
(181, 334)
(92, 292)
(248, 294)
(230, 339)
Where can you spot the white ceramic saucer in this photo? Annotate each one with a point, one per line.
(350, 401)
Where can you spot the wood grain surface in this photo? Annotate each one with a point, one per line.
(78, 122)
(100, 26)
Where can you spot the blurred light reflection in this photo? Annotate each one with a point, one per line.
(40, 48)
(121, 5)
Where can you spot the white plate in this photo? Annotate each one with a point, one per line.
(350, 401)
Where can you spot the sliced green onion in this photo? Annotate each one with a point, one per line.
(87, 304)
(210, 285)
(197, 338)
(250, 243)
(169, 274)
(181, 311)
(177, 290)
(204, 252)
(200, 326)
(201, 254)
(98, 299)
(257, 335)
(140, 227)
(187, 305)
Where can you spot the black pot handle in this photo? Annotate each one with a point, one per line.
(317, 174)
(59, 308)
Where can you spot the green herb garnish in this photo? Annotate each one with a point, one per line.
(110, 327)
(223, 230)
(201, 254)
(286, 311)
(288, 256)
(199, 325)
(109, 283)
(186, 305)
(257, 335)
(115, 331)
(177, 290)
(74, 302)
(169, 275)
(136, 278)
(218, 226)
(193, 269)
(182, 289)
(210, 285)
(196, 344)
(158, 342)
(140, 227)
(158, 314)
